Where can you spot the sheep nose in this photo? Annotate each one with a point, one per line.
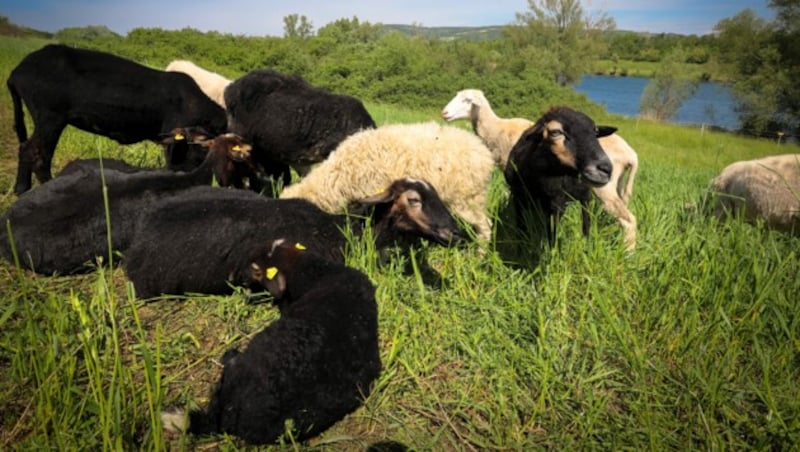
(598, 173)
(605, 167)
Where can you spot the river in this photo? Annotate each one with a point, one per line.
(711, 104)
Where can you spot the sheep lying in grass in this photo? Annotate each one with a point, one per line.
(225, 228)
(60, 225)
(765, 189)
(555, 162)
(500, 135)
(314, 365)
(453, 160)
(211, 83)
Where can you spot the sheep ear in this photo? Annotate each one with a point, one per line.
(604, 131)
(167, 138)
(239, 152)
(275, 282)
(533, 133)
(378, 198)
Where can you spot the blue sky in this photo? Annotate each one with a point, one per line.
(263, 17)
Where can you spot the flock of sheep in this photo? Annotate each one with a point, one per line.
(175, 233)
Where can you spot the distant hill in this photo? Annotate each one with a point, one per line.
(11, 29)
(487, 33)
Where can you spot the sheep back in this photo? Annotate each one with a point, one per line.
(767, 188)
(453, 160)
(290, 121)
(223, 228)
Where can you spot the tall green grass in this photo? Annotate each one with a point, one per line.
(690, 342)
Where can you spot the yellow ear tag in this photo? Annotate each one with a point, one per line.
(178, 136)
(299, 246)
(271, 272)
(236, 148)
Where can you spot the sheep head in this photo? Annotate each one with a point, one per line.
(411, 208)
(182, 147)
(564, 142)
(271, 269)
(230, 159)
(464, 105)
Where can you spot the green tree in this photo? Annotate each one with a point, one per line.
(566, 38)
(667, 89)
(787, 37)
(350, 31)
(296, 26)
(748, 48)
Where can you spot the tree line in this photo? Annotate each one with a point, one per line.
(531, 67)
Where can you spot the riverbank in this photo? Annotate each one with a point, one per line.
(712, 103)
(630, 68)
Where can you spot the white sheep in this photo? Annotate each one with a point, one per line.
(766, 188)
(453, 160)
(500, 135)
(209, 82)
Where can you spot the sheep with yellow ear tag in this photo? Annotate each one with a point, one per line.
(313, 365)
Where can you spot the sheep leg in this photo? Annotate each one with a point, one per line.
(616, 207)
(36, 156)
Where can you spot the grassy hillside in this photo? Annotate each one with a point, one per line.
(690, 342)
(487, 33)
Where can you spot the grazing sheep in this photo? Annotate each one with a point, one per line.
(212, 84)
(314, 365)
(224, 228)
(99, 93)
(546, 166)
(61, 225)
(290, 122)
(500, 135)
(765, 189)
(453, 160)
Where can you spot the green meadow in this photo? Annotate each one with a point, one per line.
(692, 341)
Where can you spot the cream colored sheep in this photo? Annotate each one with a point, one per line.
(766, 188)
(454, 161)
(211, 83)
(500, 135)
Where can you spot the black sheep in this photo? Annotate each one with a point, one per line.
(223, 229)
(554, 162)
(289, 121)
(82, 165)
(100, 93)
(61, 225)
(313, 365)
(183, 149)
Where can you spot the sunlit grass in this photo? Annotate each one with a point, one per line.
(690, 342)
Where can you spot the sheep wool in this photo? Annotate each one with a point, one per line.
(766, 188)
(453, 160)
(209, 82)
